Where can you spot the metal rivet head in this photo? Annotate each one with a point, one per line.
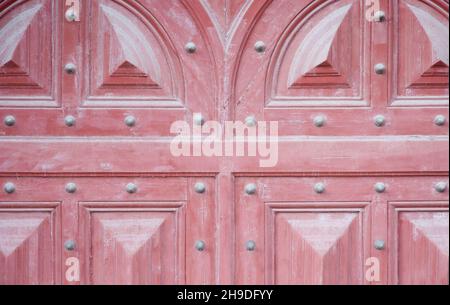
(440, 120)
(319, 121)
(250, 121)
(69, 245)
(130, 121)
(379, 121)
(380, 187)
(441, 187)
(71, 187)
(250, 245)
(9, 120)
(260, 46)
(199, 120)
(69, 121)
(70, 15)
(9, 187)
(250, 189)
(131, 188)
(200, 187)
(379, 244)
(190, 47)
(200, 245)
(380, 69)
(70, 68)
(379, 16)
(319, 188)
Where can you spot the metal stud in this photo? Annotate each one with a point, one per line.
(250, 121)
(190, 47)
(250, 189)
(130, 121)
(441, 187)
(9, 120)
(379, 16)
(379, 120)
(319, 121)
(69, 245)
(199, 120)
(70, 68)
(380, 187)
(70, 15)
(131, 188)
(69, 121)
(71, 187)
(260, 46)
(200, 187)
(380, 69)
(200, 245)
(250, 245)
(319, 188)
(9, 187)
(440, 120)
(379, 244)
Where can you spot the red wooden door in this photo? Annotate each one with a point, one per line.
(92, 193)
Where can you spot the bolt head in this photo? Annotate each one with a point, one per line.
(131, 188)
(200, 245)
(199, 120)
(69, 121)
(380, 69)
(250, 245)
(250, 121)
(379, 121)
(70, 15)
(9, 188)
(130, 121)
(319, 121)
(9, 120)
(379, 244)
(379, 16)
(71, 187)
(200, 187)
(250, 189)
(190, 47)
(260, 46)
(380, 187)
(441, 187)
(70, 68)
(319, 188)
(440, 120)
(69, 245)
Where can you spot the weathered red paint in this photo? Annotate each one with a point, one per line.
(131, 60)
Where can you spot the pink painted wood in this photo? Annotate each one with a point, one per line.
(318, 60)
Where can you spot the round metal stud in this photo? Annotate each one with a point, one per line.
(260, 46)
(250, 189)
(319, 121)
(379, 244)
(69, 121)
(250, 121)
(9, 120)
(69, 245)
(379, 121)
(440, 120)
(319, 188)
(380, 187)
(71, 187)
(250, 245)
(200, 245)
(440, 187)
(200, 187)
(199, 120)
(379, 16)
(130, 121)
(70, 68)
(131, 188)
(380, 69)
(190, 47)
(70, 15)
(9, 187)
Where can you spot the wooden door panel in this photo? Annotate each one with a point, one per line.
(29, 243)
